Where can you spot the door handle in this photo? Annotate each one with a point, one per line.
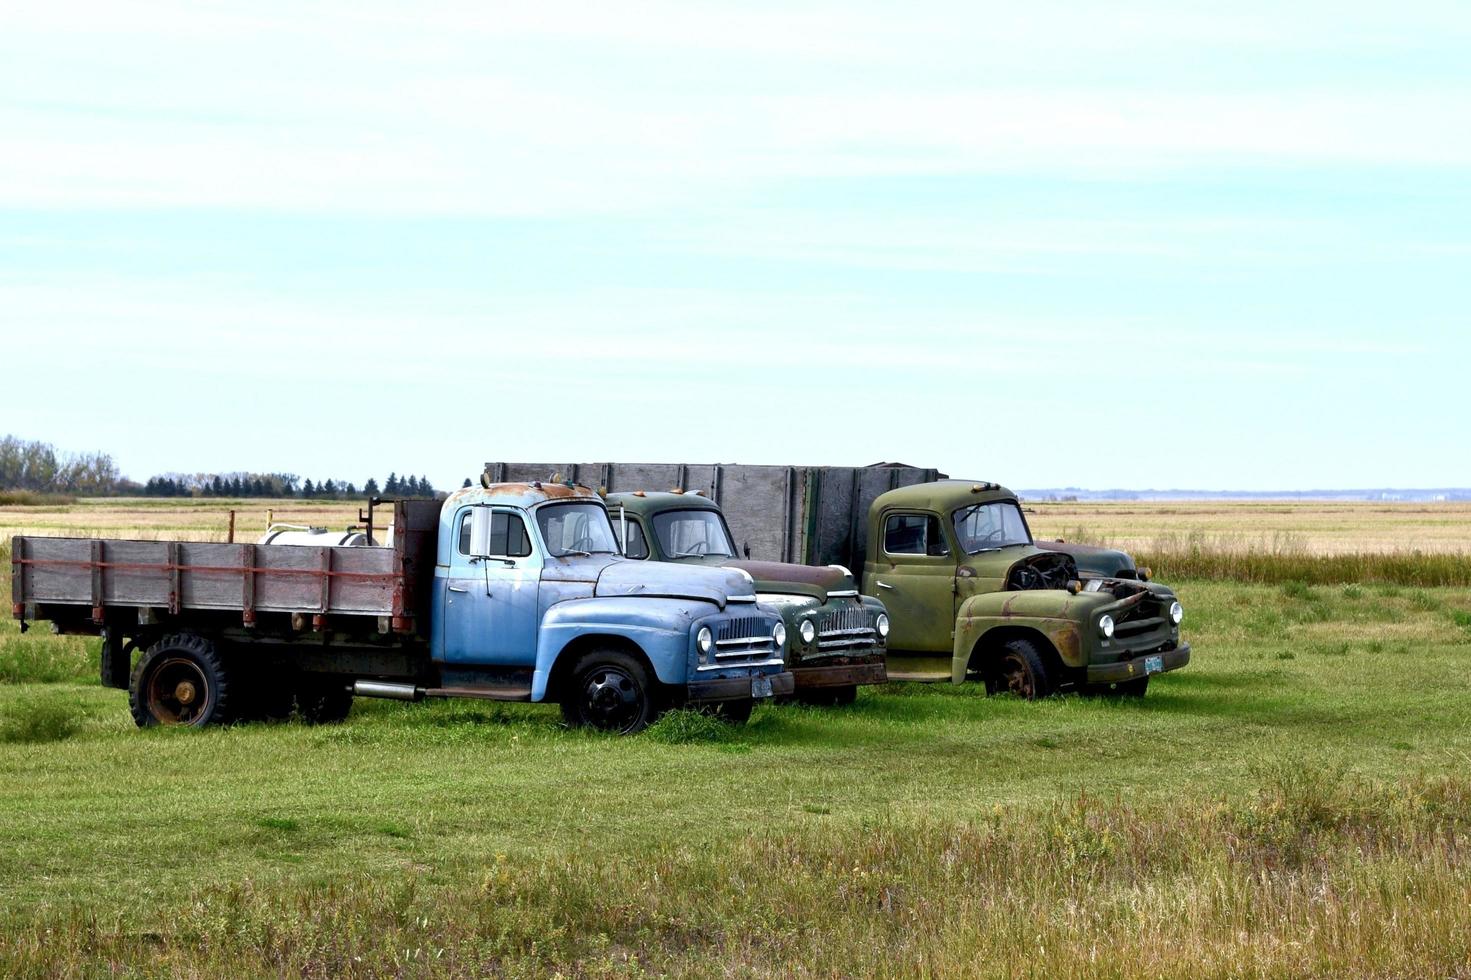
(884, 585)
(456, 588)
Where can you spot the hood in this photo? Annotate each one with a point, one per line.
(670, 581)
(1093, 560)
(812, 580)
(996, 564)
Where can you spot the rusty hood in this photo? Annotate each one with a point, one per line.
(813, 580)
(670, 581)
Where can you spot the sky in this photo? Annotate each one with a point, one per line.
(1137, 244)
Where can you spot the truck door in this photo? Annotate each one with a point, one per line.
(490, 604)
(915, 579)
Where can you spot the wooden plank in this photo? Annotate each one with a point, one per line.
(247, 584)
(176, 597)
(97, 603)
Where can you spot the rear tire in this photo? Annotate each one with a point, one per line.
(736, 712)
(181, 680)
(828, 697)
(1017, 668)
(1123, 689)
(323, 700)
(610, 691)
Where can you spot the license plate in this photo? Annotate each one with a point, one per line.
(761, 687)
(1154, 665)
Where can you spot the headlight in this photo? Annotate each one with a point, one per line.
(779, 634)
(1177, 613)
(704, 640)
(808, 631)
(882, 625)
(1105, 626)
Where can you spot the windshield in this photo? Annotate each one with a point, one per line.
(571, 529)
(692, 533)
(988, 527)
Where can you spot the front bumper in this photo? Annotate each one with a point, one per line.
(1130, 670)
(840, 675)
(737, 688)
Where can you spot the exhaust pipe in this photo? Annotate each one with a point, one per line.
(383, 689)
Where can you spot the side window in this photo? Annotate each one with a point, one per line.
(637, 546)
(914, 534)
(508, 535)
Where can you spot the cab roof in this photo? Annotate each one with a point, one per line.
(522, 495)
(653, 501)
(943, 495)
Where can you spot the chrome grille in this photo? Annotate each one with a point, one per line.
(743, 638)
(845, 626)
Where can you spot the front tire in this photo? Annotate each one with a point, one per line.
(610, 691)
(181, 680)
(1018, 669)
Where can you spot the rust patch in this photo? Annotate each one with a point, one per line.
(552, 491)
(1069, 644)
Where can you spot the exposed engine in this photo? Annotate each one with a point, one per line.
(1045, 571)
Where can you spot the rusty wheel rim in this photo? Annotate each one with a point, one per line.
(178, 692)
(1016, 677)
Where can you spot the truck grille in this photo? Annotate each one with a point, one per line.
(844, 627)
(743, 638)
(1145, 626)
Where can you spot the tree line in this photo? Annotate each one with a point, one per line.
(281, 485)
(39, 467)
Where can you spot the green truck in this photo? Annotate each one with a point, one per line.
(836, 637)
(982, 600)
(955, 564)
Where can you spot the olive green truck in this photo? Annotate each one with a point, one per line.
(969, 594)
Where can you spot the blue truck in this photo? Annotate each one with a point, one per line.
(506, 591)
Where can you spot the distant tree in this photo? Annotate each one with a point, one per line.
(329, 488)
(348, 490)
(235, 486)
(425, 486)
(371, 487)
(307, 489)
(216, 487)
(391, 486)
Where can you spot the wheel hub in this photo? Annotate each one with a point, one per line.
(185, 693)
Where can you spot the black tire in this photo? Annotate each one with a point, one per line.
(181, 680)
(1123, 689)
(827, 697)
(323, 700)
(611, 691)
(1018, 668)
(736, 712)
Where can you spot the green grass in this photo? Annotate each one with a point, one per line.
(1296, 801)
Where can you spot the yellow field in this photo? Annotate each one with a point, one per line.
(1306, 528)
(1150, 527)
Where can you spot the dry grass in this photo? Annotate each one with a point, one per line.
(1309, 528)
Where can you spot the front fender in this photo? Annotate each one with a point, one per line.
(1059, 616)
(659, 627)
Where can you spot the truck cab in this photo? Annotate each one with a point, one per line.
(968, 589)
(836, 638)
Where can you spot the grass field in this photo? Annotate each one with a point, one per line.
(1297, 801)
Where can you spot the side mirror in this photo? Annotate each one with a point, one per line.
(746, 548)
(480, 532)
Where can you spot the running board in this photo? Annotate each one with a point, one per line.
(918, 676)
(500, 693)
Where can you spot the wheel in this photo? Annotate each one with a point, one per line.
(323, 700)
(1123, 689)
(827, 697)
(1018, 669)
(611, 691)
(181, 680)
(736, 712)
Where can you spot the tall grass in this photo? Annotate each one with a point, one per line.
(1272, 562)
(34, 498)
(1314, 874)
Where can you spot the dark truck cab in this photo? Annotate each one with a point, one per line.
(836, 637)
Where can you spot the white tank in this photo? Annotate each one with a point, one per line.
(301, 534)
